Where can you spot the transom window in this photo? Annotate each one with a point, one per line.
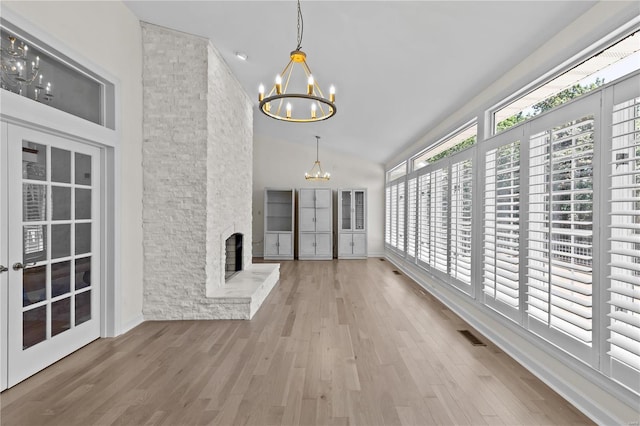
(606, 66)
(461, 140)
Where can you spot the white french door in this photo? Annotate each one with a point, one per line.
(50, 243)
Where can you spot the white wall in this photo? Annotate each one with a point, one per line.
(108, 35)
(281, 164)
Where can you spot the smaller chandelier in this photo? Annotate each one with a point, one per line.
(316, 172)
(299, 99)
(18, 71)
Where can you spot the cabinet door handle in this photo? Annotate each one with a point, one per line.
(3, 269)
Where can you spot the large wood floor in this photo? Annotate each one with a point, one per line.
(336, 343)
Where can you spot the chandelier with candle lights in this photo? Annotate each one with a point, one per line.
(296, 96)
(18, 71)
(316, 172)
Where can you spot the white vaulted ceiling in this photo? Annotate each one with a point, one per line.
(399, 67)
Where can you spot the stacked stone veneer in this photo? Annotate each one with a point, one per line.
(197, 162)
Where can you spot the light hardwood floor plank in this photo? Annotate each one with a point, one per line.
(336, 343)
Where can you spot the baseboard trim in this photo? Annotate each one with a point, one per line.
(130, 325)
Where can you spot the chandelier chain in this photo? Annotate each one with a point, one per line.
(300, 27)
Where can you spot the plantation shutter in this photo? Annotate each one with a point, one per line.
(394, 215)
(412, 216)
(460, 245)
(425, 254)
(624, 287)
(502, 224)
(560, 236)
(401, 216)
(387, 213)
(439, 218)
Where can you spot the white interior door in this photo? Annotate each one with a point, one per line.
(54, 245)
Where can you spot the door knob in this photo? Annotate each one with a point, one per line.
(3, 269)
(17, 266)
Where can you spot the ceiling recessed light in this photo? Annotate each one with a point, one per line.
(241, 56)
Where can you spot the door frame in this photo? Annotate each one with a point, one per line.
(15, 109)
(4, 259)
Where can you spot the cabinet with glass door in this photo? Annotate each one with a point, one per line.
(352, 226)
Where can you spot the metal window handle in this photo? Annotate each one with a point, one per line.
(17, 266)
(3, 269)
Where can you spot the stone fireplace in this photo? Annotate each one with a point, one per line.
(198, 185)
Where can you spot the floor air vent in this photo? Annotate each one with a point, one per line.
(396, 272)
(471, 338)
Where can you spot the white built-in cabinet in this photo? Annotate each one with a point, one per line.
(279, 209)
(352, 223)
(315, 224)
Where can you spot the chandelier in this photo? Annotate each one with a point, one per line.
(18, 71)
(299, 99)
(316, 172)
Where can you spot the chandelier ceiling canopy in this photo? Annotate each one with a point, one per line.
(296, 95)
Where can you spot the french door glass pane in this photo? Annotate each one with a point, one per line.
(83, 273)
(60, 203)
(60, 316)
(83, 238)
(34, 161)
(34, 202)
(35, 243)
(60, 165)
(83, 307)
(83, 204)
(60, 278)
(34, 285)
(34, 326)
(83, 169)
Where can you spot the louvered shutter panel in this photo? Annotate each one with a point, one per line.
(502, 224)
(387, 213)
(401, 216)
(559, 254)
(394, 215)
(460, 238)
(424, 219)
(411, 216)
(439, 217)
(624, 287)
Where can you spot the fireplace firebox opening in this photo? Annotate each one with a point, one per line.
(233, 259)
